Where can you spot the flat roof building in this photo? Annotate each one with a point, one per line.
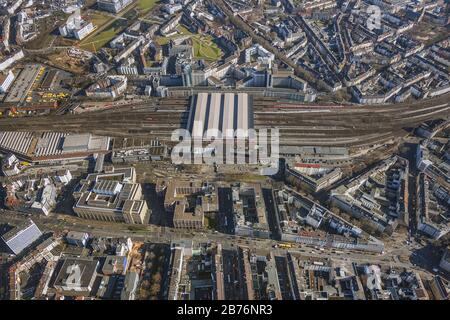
(46, 200)
(76, 276)
(7, 61)
(312, 177)
(112, 196)
(6, 80)
(21, 236)
(76, 27)
(189, 215)
(175, 270)
(52, 146)
(113, 6)
(137, 149)
(108, 87)
(188, 201)
(77, 238)
(130, 286)
(178, 190)
(250, 211)
(114, 265)
(24, 82)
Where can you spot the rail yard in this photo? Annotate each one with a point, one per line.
(341, 125)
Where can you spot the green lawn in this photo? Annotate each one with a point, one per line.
(97, 41)
(162, 40)
(182, 31)
(146, 5)
(210, 223)
(98, 19)
(204, 48)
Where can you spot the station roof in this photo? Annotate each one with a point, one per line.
(220, 111)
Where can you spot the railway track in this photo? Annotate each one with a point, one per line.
(345, 125)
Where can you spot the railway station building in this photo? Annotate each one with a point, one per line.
(226, 117)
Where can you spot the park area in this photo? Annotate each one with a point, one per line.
(106, 30)
(155, 263)
(145, 6)
(97, 18)
(107, 27)
(204, 47)
(99, 39)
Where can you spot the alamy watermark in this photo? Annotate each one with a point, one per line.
(74, 278)
(241, 147)
(374, 20)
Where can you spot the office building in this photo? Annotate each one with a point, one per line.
(76, 276)
(189, 214)
(112, 196)
(76, 27)
(77, 238)
(52, 147)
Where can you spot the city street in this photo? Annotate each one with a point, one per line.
(158, 234)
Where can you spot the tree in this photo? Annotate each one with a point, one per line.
(156, 278)
(154, 291)
(143, 294)
(145, 284)
(335, 210)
